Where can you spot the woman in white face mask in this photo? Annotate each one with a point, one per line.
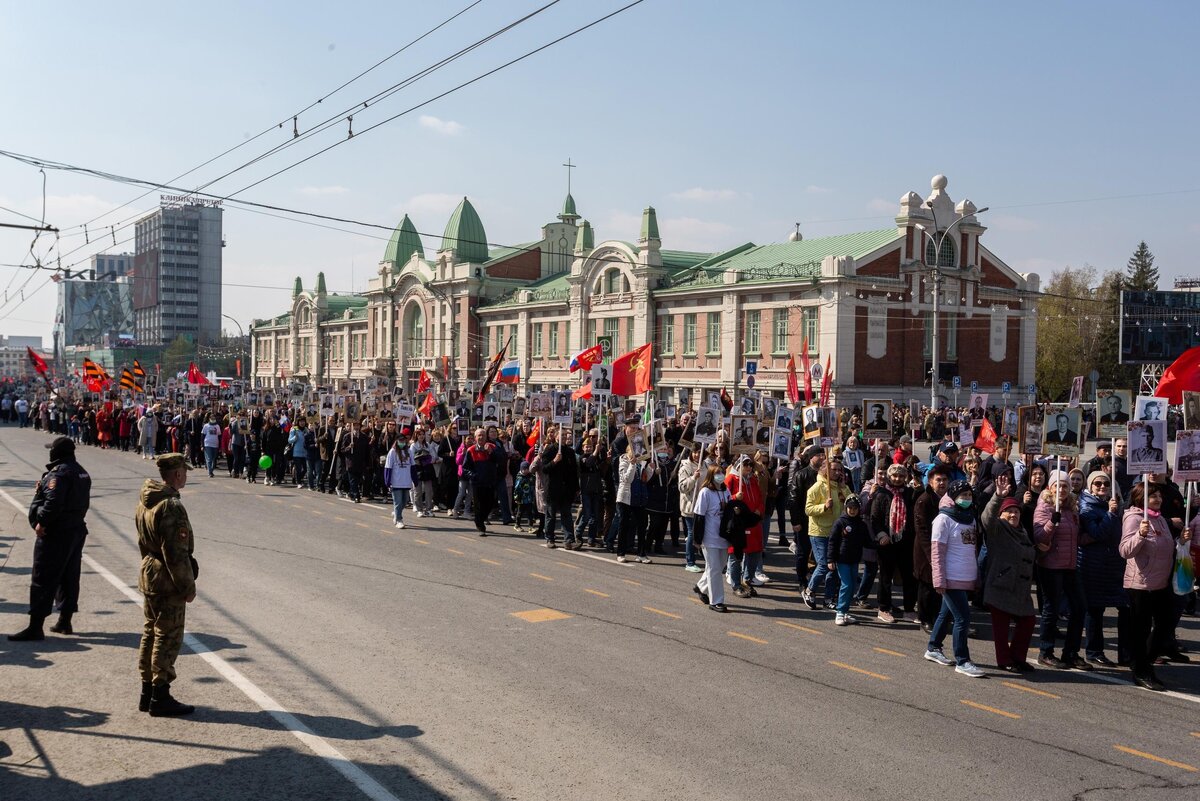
(955, 576)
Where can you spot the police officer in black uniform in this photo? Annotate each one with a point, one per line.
(56, 515)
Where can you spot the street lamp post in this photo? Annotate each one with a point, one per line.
(937, 238)
(241, 337)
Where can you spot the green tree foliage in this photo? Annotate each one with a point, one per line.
(1140, 273)
(177, 355)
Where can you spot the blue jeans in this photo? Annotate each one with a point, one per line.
(803, 549)
(561, 512)
(956, 604)
(734, 567)
(689, 544)
(399, 501)
(1057, 584)
(848, 576)
(503, 503)
(590, 513)
(314, 472)
(870, 570)
(752, 563)
(210, 459)
(822, 574)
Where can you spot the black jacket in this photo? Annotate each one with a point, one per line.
(847, 539)
(800, 482)
(62, 498)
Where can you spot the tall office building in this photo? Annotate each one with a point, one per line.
(177, 272)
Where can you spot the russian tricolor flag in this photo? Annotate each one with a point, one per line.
(586, 358)
(510, 372)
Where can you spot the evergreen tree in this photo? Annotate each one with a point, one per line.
(1140, 274)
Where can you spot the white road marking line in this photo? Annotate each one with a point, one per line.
(317, 744)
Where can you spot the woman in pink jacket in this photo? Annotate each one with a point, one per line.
(1149, 551)
(1056, 534)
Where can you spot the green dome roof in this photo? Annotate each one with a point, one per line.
(464, 233)
(569, 207)
(404, 243)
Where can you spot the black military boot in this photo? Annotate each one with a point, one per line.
(162, 705)
(31, 632)
(63, 626)
(144, 701)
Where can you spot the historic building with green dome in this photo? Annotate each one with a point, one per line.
(863, 300)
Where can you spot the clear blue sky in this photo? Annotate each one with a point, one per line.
(735, 120)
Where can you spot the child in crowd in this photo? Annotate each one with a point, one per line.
(523, 496)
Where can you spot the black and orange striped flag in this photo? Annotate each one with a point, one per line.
(138, 372)
(127, 381)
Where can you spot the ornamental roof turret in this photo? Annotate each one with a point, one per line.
(404, 243)
(464, 234)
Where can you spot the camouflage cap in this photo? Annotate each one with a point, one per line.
(172, 461)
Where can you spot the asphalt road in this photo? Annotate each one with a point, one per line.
(346, 659)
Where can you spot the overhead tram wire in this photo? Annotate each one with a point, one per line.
(341, 117)
(283, 122)
(267, 209)
(121, 225)
(489, 73)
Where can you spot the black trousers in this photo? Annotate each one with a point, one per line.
(56, 561)
(892, 558)
(929, 603)
(483, 498)
(1152, 620)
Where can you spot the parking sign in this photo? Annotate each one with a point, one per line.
(956, 382)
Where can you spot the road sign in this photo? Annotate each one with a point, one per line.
(1033, 389)
(1094, 376)
(750, 380)
(1007, 387)
(956, 382)
(751, 368)
(974, 386)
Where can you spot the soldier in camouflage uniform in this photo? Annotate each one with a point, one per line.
(167, 580)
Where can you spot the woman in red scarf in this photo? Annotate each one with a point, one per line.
(744, 486)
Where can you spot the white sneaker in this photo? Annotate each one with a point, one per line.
(792, 547)
(969, 669)
(757, 582)
(851, 620)
(839, 620)
(936, 655)
(886, 617)
(762, 578)
(400, 525)
(451, 514)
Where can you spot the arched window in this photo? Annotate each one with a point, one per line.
(414, 330)
(944, 257)
(613, 281)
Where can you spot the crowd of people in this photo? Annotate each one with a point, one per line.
(905, 532)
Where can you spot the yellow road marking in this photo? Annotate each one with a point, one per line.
(342, 519)
(457, 553)
(798, 627)
(490, 562)
(1025, 689)
(888, 652)
(317, 512)
(844, 666)
(1144, 755)
(696, 600)
(468, 539)
(746, 637)
(1196, 734)
(362, 525)
(596, 593)
(567, 564)
(992, 709)
(512, 550)
(661, 612)
(540, 576)
(540, 615)
(631, 581)
(423, 542)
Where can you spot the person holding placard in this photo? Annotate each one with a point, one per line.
(1056, 532)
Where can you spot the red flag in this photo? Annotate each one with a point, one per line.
(535, 433)
(493, 369)
(807, 371)
(423, 382)
(985, 440)
(583, 393)
(826, 379)
(445, 369)
(631, 372)
(586, 358)
(726, 401)
(427, 406)
(793, 386)
(224, 384)
(194, 376)
(1183, 374)
(39, 364)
